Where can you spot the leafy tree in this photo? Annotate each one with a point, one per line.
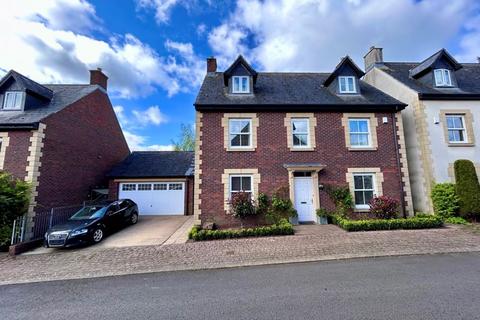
(186, 141)
(467, 188)
(14, 199)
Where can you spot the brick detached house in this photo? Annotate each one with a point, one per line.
(259, 131)
(442, 119)
(60, 138)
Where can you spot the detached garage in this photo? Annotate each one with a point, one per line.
(160, 182)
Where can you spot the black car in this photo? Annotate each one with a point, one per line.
(91, 223)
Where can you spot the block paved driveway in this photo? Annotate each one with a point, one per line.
(310, 243)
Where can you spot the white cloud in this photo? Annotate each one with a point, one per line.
(49, 41)
(139, 143)
(162, 8)
(151, 115)
(201, 29)
(312, 35)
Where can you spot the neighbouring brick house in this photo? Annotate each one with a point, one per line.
(441, 120)
(257, 131)
(62, 139)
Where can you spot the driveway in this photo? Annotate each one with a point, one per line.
(149, 231)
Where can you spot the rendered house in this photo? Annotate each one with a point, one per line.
(441, 122)
(62, 139)
(260, 131)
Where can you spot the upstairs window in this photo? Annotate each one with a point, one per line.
(456, 128)
(346, 85)
(442, 78)
(240, 131)
(300, 133)
(241, 84)
(13, 100)
(359, 133)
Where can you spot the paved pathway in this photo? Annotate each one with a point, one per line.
(311, 243)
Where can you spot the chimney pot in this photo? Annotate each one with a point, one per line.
(99, 78)
(211, 64)
(373, 56)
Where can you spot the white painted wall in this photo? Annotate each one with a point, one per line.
(442, 154)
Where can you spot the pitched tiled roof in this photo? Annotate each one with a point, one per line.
(286, 89)
(28, 84)
(155, 164)
(468, 78)
(62, 96)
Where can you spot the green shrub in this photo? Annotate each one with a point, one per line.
(263, 204)
(456, 220)
(445, 199)
(467, 188)
(388, 224)
(341, 197)
(282, 228)
(14, 199)
(322, 212)
(280, 207)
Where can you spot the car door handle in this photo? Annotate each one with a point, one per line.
(303, 202)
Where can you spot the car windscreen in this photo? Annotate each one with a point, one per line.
(90, 212)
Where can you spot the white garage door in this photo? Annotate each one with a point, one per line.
(155, 198)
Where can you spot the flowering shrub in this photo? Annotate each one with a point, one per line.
(384, 207)
(242, 205)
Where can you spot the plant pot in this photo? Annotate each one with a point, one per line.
(322, 220)
(293, 220)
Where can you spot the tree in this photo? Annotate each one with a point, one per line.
(186, 141)
(467, 188)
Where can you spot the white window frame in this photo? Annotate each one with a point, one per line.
(374, 189)
(230, 133)
(369, 132)
(307, 120)
(230, 191)
(463, 128)
(171, 186)
(240, 88)
(348, 89)
(443, 77)
(144, 187)
(129, 187)
(18, 102)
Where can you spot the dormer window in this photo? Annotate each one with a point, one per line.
(240, 84)
(442, 78)
(13, 100)
(346, 84)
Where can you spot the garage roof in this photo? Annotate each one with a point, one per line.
(155, 164)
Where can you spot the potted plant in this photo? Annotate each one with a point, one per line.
(322, 216)
(293, 218)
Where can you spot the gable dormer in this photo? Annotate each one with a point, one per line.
(437, 71)
(18, 93)
(240, 77)
(345, 79)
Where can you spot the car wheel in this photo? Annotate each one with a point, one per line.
(134, 218)
(97, 235)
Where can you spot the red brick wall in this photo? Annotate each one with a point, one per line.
(16, 153)
(272, 152)
(82, 143)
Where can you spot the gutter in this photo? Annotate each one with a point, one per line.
(19, 126)
(449, 96)
(302, 107)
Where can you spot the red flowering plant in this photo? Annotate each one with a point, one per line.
(384, 207)
(242, 205)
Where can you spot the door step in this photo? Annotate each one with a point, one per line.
(306, 222)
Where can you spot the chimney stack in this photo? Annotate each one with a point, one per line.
(211, 64)
(99, 78)
(373, 56)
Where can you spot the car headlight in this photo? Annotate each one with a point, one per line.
(78, 232)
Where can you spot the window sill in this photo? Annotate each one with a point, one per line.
(362, 210)
(461, 144)
(302, 149)
(241, 149)
(362, 149)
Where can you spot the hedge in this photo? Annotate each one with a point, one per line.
(282, 228)
(445, 199)
(388, 224)
(467, 188)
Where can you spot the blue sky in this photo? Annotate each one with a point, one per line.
(154, 51)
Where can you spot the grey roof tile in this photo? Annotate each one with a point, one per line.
(155, 164)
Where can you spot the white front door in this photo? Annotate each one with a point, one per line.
(304, 199)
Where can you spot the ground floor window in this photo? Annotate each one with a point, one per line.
(364, 189)
(240, 183)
